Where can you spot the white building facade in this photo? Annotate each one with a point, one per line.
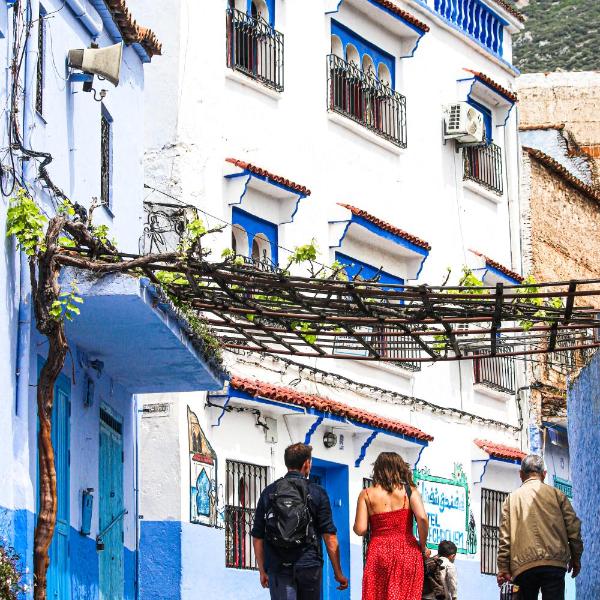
(323, 120)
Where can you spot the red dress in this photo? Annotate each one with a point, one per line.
(394, 567)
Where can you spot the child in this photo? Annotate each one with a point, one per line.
(447, 554)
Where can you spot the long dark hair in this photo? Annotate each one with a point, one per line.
(391, 471)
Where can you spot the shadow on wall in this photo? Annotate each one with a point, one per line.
(583, 402)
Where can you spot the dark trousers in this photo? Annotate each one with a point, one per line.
(550, 580)
(296, 584)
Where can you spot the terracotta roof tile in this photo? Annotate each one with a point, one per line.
(510, 8)
(358, 212)
(556, 126)
(511, 96)
(500, 267)
(564, 174)
(291, 396)
(501, 451)
(264, 173)
(132, 32)
(392, 7)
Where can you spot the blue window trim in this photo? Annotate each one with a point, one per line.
(474, 80)
(254, 225)
(487, 118)
(353, 266)
(384, 233)
(497, 273)
(392, 14)
(347, 36)
(318, 413)
(249, 175)
(270, 7)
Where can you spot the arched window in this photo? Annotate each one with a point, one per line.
(261, 250)
(336, 46)
(352, 55)
(259, 8)
(239, 240)
(384, 74)
(367, 65)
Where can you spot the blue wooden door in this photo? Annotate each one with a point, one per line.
(59, 574)
(110, 496)
(334, 478)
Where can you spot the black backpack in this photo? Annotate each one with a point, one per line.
(288, 522)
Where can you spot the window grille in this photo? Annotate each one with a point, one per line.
(566, 487)
(244, 484)
(496, 372)
(41, 41)
(491, 514)
(391, 345)
(483, 164)
(367, 483)
(255, 48)
(365, 99)
(105, 160)
(563, 360)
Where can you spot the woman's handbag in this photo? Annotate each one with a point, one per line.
(509, 591)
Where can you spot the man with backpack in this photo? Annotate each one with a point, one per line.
(292, 516)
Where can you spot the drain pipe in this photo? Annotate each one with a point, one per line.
(24, 322)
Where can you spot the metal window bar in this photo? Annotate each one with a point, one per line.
(367, 483)
(391, 344)
(243, 486)
(563, 360)
(491, 514)
(483, 164)
(566, 487)
(105, 160)
(365, 99)
(255, 48)
(497, 372)
(39, 90)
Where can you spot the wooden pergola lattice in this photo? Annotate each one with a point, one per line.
(271, 311)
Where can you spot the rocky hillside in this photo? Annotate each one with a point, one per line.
(559, 35)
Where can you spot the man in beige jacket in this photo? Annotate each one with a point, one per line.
(540, 536)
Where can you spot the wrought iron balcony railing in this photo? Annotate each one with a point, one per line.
(496, 372)
(365, 99)
(391, 345)
(476, 19)
(483, 164)
(255, 48)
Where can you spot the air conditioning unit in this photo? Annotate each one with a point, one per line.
(463, 123)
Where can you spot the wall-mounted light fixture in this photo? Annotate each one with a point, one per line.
(329, 439)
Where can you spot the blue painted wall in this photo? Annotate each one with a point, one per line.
(160, 560)
(583, 404)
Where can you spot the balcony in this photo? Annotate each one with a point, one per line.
(476, 19)
(483, 164)
(390, 345)
(255, 49)
(366, 100)
(496, 372)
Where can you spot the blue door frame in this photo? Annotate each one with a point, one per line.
(59, 569)
(334, 478)
(111, 501)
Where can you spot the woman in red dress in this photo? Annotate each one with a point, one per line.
(394, 567)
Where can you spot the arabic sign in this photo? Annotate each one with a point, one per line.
(447, 505)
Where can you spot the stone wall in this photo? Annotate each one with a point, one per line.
(569, 98)
(560, 243)
(584, 440)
